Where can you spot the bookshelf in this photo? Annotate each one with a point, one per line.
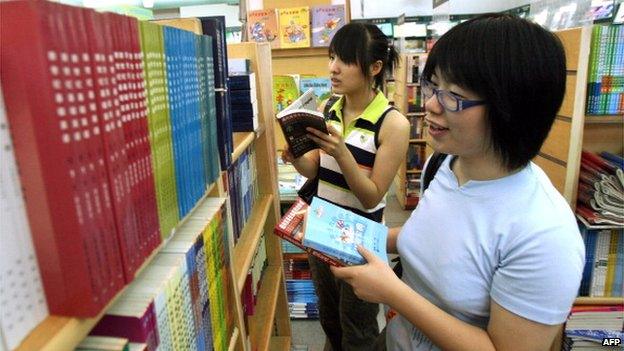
(65, 333)
(574, 131)
(270, 324)
(401, 102)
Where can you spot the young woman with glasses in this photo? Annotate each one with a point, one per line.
(492, 256)
(358, 160)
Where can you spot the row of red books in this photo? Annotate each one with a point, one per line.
(73, 84)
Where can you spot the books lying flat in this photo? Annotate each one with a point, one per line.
(296, 118)
(332, 233)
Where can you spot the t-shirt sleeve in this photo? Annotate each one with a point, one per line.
(539, 274)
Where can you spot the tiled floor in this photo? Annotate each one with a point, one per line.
(309, 332)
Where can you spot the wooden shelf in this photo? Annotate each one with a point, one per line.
(300, 52)
(249, 239)
(412, 84)
(412, 171)
(65, 333)
(585, 300)
(261, 323)
(612, 119)
(242, 140)
(417, 141)
(280, 343)
(414, 114)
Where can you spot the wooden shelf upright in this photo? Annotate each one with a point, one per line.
(270, 325)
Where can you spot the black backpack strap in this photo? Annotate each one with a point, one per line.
(330, 102)
(434, 164)
(380, 122)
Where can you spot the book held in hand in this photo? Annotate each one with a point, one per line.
(294, 120)
(332, 233)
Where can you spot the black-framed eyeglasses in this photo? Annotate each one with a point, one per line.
(451, 102)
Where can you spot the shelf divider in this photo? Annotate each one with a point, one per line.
(261, 323)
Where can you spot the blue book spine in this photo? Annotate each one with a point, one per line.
(174, 110)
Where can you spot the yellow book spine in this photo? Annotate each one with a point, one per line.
(611, 263)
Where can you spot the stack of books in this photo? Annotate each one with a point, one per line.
(179, 301)
(288, 179)
(601, 189)
(594, 328)
(604, 262)
(243, 188)
(244, 102)
(302, 299)
(605, 86)
(249, 294)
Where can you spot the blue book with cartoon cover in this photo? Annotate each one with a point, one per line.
(336, 232)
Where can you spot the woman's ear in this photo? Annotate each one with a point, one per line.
(375, 68)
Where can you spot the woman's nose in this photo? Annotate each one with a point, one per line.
(433, 105)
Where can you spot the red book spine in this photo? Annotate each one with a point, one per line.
(148, 198)
(110, 271)
(136, 329)
(57, 171)
(102, 35)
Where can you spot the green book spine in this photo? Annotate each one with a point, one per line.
(593, 71)
(159, 124)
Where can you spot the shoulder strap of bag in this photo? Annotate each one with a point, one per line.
(330, 102)
(432, 168)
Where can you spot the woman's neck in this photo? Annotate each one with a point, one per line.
(356, 102)
(478, 168)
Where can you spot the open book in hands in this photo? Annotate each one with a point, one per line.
(332, 233)
(294, 120)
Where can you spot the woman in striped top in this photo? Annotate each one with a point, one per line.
(356, 163)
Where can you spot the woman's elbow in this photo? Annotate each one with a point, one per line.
(369, 204)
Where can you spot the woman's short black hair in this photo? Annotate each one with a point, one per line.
(363, 44)
(517, 67)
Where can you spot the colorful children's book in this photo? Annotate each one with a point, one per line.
(262, 27)
(285, 91)
(294, 27)
(336, 232)
(320, 86)
(290, 228)
(335, 226)
(294, 120)
(326, 21)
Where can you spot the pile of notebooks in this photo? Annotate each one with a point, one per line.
(601, 189)
(243, 97)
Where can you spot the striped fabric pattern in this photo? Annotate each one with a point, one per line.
(361, 138)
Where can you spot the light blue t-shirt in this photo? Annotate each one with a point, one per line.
(514, 240)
